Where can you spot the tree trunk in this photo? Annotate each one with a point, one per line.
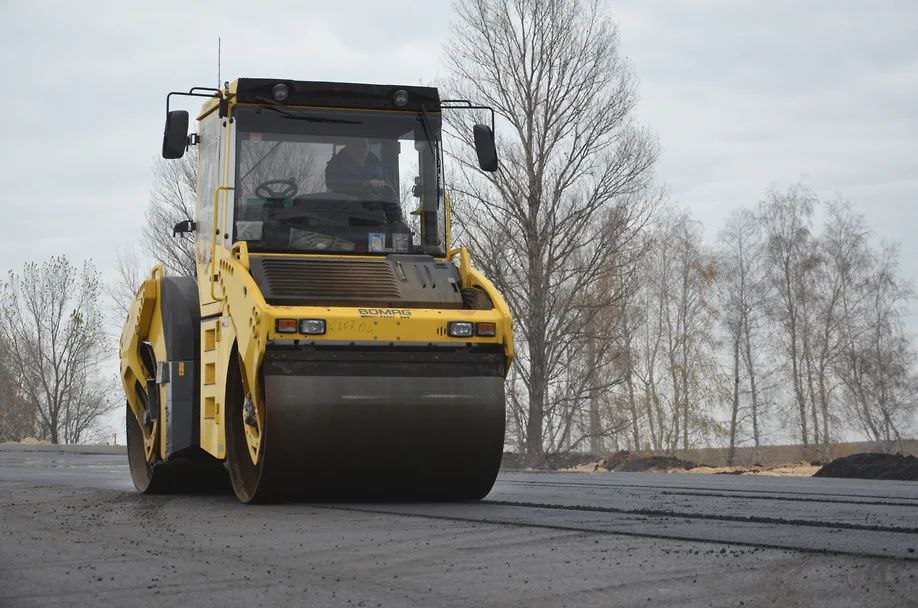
(632, 406)
(537, 379)
(629, 382)
(753, 390)
(652, 405)
(596, 439)
(731, 454)
(824, 404)
(798, 389)
(811, 391)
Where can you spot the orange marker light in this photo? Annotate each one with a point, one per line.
(487, 330)
(285, 326)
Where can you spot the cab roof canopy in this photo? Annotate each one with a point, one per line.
(336, 94)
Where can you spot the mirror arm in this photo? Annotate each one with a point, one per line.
(193, 92)
(465, 104)
(192, 140)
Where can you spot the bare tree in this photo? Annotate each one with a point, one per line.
(51, 321)
(683, 286)
(17, 414)
(668, 330)
(632, 317)
(741, 287)
(122, 289)
(877, 362)
(565, 206)
(842, 260)
(786, 220)
(172, 200)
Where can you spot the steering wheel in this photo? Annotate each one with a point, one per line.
(274, 189)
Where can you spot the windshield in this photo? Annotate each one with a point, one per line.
(326, 181)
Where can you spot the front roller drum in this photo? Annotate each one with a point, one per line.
(369, 438)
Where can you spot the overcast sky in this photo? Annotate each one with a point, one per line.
(741, 94)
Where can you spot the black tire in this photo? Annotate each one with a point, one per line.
(146, 476)
(248, 479)
(195, 473)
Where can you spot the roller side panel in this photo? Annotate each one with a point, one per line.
(178, 375)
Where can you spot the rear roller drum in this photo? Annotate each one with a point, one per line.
(148, 477)
(245, 465)
(192, 472)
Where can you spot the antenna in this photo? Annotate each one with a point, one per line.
(218, 61)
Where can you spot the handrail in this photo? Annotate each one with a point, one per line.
(240, 250)
(448, 214)
(216, 234)
(465, 263)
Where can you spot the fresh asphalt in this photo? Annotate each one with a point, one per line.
(74, 533)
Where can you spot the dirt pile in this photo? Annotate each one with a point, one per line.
(550, 462)
(872, 466)
(623, 460)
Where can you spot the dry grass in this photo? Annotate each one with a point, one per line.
(799, 469)
(30, 441)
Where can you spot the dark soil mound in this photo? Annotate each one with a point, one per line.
(872, 466)
(623, 460)
(655, 463)
(566, 460)
(616, 460)
(552, 461)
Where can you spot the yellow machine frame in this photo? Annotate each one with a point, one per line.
(238, 322)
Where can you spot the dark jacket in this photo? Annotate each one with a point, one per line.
(342, 174)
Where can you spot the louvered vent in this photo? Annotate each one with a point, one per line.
(290, 280)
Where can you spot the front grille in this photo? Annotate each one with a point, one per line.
(289, 280)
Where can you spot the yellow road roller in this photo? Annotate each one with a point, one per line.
(332, 345)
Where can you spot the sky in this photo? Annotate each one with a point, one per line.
(742, 96)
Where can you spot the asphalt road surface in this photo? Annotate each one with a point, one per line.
(74, 533)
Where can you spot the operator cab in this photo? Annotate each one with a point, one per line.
(320, 168)
(332, 181)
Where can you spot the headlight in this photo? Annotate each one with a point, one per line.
(460, 329)
(280, 92)
(400, 98)
(312, 327)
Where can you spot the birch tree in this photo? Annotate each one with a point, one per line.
(741, 287)
(877, 362)
(786, 219)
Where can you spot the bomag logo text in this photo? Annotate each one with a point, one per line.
(385, 313)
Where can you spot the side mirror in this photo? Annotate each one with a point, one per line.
(183, 226)
(485, 148)
(175, 136)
